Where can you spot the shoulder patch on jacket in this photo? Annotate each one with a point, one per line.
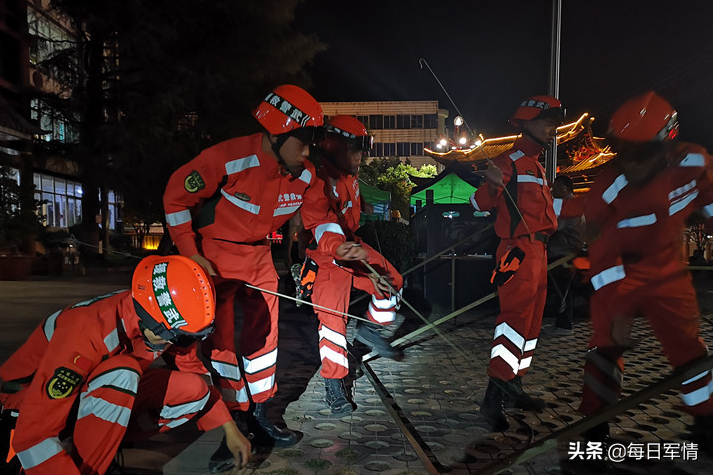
(194, 182)
(63, 382)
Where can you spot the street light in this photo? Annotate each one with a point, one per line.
(460, 139)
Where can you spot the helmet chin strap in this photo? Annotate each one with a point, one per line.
(277, 145)
(281, 139)
(546, 145)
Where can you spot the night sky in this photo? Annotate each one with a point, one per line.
(490, 55)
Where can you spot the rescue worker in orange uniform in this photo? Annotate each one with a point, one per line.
(636, 212)
(85, 372)
(219, 208)
(516, 187)
(344, 145)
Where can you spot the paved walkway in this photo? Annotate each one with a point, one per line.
(435, 390)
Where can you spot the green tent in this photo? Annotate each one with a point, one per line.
(379, 199)
(454, 185)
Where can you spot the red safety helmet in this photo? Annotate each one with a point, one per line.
(288, 108)
(537, 107)
(644, 118)
(174, 297)
(342, 132)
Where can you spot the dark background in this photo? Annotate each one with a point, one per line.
(490, 55)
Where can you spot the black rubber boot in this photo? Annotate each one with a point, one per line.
(336, 398)
(520, 399)
(598, 433)
(369, 334)
(265, 432)
(493, 406)
(702, 433)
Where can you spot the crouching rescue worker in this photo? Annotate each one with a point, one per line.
(343, 146)
(220, 207)
(516, 187)
(636, 212)
(83, 375)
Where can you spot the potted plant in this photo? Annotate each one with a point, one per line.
(19, 224)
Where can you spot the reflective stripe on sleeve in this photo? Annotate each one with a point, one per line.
(112, 340)
(693, 160)
(125, 379)
(557, 205)
(608, 276)
(187, 408)
(179, 217)
(515, 155)
(637, 221)
(612, 192)
(474, 203)
(39, 453)
(306, 176)
(235, 166)
(50, 324)
(104, 410)
(327, 228)
(681, 204)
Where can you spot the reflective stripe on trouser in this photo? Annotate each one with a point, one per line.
(669, 305)
(383, 310)
(258, 338)
(603, 375)
(167, 399)
(522, 301)
(332, 288)
(236, 265)
(105, 404)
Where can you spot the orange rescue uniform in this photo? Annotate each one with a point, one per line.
(223, 204)
(334, 281)
(86, 368)
(526, 226)
(638, 268)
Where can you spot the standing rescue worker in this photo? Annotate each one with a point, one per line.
(636, 212)
(344, 145)
(85, 372)
(516, 187)
(220, 207)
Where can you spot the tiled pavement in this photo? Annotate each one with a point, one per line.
(438, 391)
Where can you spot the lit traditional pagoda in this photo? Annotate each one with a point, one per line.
(579, 154)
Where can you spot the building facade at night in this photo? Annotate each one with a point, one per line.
(30, 33)
(400, 128)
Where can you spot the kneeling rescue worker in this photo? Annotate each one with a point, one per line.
(84, 373)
